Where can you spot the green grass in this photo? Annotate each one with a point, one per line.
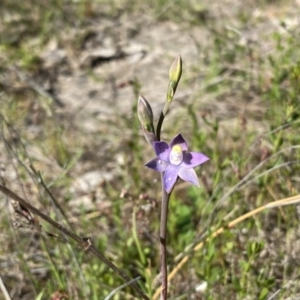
(249, 117)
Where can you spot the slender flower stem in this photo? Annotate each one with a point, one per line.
(159, 125)
(163, 240)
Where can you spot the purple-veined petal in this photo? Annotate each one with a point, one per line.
(157, 164)
(162, 150)
(170, 177)
(179, 140)
(193, 159)
(188, 175)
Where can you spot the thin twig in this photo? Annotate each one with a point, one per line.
(61, 215)
(4, 290)
(112, 293)
(285, 164)
(285, 287)
(35, 86)
(241, 183)
(84, 243)
(246, 178)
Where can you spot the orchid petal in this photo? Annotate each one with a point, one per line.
(188, 175)
(179, 140)
(193, 159)
(170, 177)
(175, 161)
(162, 150)
(157, 164)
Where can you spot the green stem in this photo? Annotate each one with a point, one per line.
(159, 124)
(162, 117)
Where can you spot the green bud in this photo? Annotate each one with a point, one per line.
(176, 70)
(145, 114)
(174, 76)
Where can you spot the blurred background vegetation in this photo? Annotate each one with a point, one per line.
(70, 76)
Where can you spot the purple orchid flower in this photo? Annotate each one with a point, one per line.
(176, 161)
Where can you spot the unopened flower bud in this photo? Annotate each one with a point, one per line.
(146, 118)
(176, 70)
(174, 76)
